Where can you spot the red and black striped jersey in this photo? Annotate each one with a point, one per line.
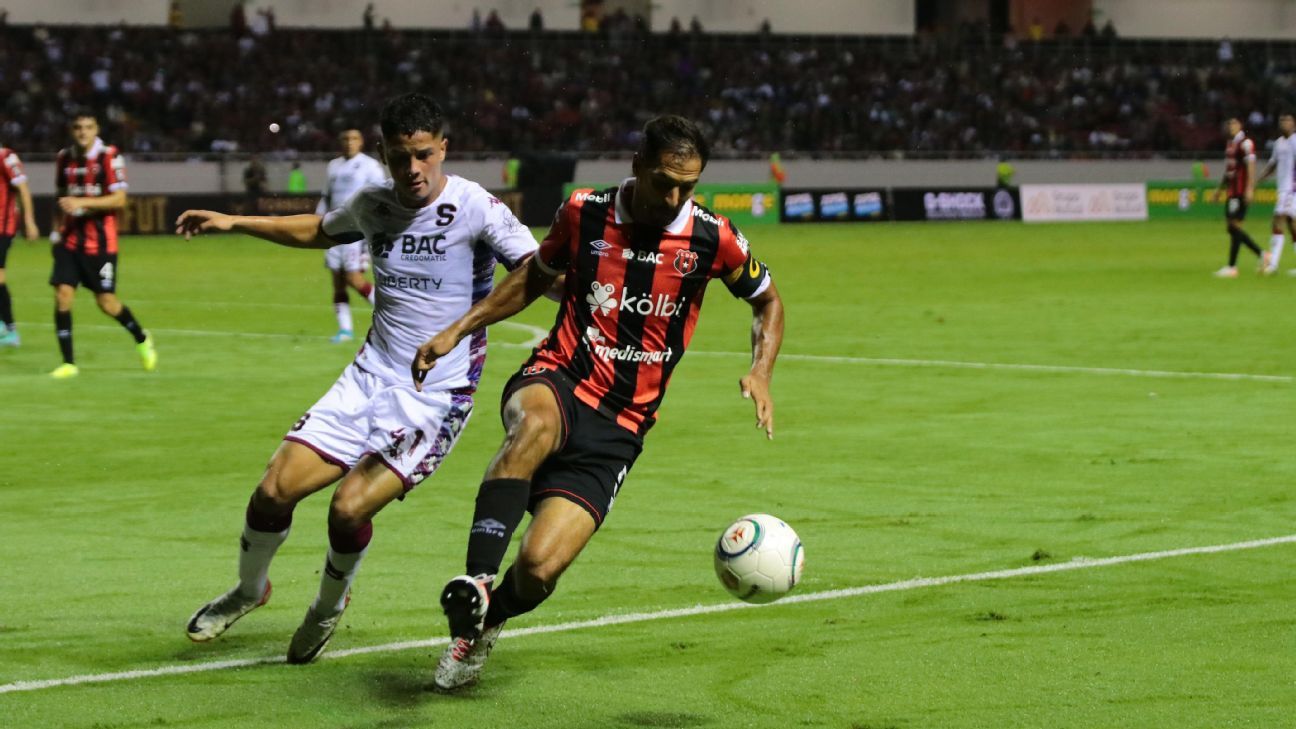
(1237, 154)
(633, 293)
(100, 171)
(11, 176)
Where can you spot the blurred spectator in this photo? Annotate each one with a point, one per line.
(1225, 52)
(494, 25)
(536, 23)
(1109, 30)
(255, 179)
(1036, 30)
(367, 20)
(1062, 30)
(695, 26)
(764, 27)
(175, 16)
(238, 20)
(1089, 30)
(475, 23)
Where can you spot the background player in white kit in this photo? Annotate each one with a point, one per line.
(347, 262)
(435, 240)
(1283, 162)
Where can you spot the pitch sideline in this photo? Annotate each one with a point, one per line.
(538, 334)
(1078, 563)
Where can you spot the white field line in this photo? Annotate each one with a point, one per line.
(1079, 563)
(538, 334)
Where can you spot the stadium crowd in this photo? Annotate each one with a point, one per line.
(174, 90)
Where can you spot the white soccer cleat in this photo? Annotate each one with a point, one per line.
(464, 600)
(1226, 272)
(313, 634)
(218, 615)
(462, 662)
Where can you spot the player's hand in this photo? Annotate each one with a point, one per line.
(193, 222)
(30, 231)
(756, 388)
(1249, 195)
(70, 206)
(427, 355)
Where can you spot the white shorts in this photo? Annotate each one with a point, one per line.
(411, 432)
(348, 257)
(1286, 204)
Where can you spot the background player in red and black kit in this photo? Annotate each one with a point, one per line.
(1239, 182)
(91, 182)
(13, 187)
(638, 258)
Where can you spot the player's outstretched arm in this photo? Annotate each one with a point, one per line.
(767, 337)
(294, 231)
(525, 284)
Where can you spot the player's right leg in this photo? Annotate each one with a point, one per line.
(1275, 243)
(294, 472)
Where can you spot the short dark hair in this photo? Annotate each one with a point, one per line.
(675, 134)
(411, 113)
(83, 112)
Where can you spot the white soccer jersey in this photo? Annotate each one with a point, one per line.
(430, 265)
(1284, 160)
(346, 177)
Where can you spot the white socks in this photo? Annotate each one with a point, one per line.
(1275, 249)
(258, 548)
(335, 581)
(343, 311)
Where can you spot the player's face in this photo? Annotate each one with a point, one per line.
(414, 161)
(663, 185)
(1233, 126)
(84, 130)
(1287, 124)
(351, 142)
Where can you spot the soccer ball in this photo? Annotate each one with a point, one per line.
(759, 558)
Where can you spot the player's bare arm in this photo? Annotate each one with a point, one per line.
(293, 231)
(30, 230)
(767, 338)
(112, 201)
(1251, 180)
(523, 285)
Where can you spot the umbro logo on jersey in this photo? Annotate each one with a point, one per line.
(600, 247)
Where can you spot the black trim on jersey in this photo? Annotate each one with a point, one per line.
(592, 226)
(639, 278)
(101, 230)
(705, 242)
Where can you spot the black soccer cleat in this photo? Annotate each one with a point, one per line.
(464, 601)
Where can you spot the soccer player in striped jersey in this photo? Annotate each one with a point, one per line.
(1282, 163)
(637, 258)
(91, 182)
(13, 188)
(435, 240)
(347, 262)
(1239, 181)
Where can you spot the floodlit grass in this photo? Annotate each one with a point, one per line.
(122, 494)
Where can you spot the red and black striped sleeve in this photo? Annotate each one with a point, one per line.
(559, 245)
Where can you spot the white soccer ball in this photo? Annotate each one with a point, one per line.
(759, 558)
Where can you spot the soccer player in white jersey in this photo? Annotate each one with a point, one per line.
(1282, 164)
(435, 240)
(347, 262)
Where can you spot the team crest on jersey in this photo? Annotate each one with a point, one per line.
(686, 262)
(600, 298)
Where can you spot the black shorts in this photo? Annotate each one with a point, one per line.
(595, 454)
(74, 268)
(1235, 208)
(5, 241)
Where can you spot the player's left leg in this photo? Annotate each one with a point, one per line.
(113, 307)
(341, 307)
(8, 332)
(362, 493)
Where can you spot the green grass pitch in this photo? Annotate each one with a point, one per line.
(122, 494)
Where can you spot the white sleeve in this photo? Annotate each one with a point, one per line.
(504, 233)
(343, 224)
